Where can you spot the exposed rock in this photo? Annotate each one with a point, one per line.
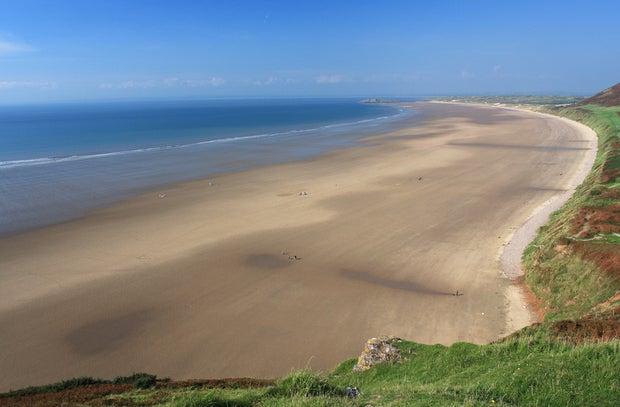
(353, 392)
(378, 350)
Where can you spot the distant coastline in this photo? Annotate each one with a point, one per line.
(379, 101)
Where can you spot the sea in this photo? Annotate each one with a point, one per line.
(60, 161)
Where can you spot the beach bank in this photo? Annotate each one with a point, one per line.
(259, 272)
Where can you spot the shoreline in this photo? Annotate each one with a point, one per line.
(520, 312)
(196, 279)
(515, 245)
(62, 189)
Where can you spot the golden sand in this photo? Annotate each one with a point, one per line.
(282, 267)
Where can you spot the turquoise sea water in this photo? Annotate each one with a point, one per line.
(58, 162)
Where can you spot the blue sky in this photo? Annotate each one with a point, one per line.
(90, 49)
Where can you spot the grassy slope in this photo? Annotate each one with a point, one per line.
(574, 263)
(562, 361)
(530, 369)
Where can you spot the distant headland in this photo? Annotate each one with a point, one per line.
(379, 100)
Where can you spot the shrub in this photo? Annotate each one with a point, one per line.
(305, 384)
(138, 380)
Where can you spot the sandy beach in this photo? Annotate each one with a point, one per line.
(278, 268)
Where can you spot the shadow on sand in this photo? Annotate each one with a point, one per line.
(402, 285)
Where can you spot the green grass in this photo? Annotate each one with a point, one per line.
(216, 398)
(570, 285)
(515, 99)
(137, 380)
(529, 369)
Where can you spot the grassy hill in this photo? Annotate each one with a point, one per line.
(572, 358)
(610, 97)
(573, 265)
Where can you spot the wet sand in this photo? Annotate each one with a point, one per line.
(263, 271)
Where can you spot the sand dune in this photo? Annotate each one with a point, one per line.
(241, 275)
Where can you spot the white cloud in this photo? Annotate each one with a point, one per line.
(379, 78)
(196, 83)
(171, 81)
(273, 80)
(497, 68)
(10, 48)
(27, 84)
(329, 79)
(467, 75)
(137, 84)
(167, 82)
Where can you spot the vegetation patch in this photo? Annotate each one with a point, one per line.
(535, 366)
(515, 99)
(574, 263)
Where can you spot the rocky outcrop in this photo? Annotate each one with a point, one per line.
(378, 350)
